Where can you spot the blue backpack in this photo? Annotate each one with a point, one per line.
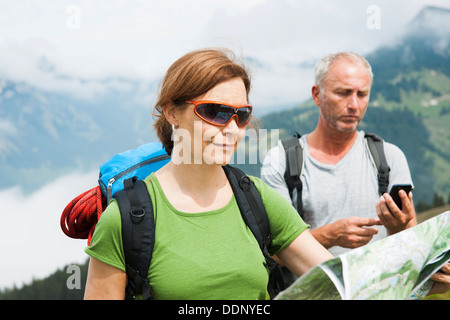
(121, 178)
(139, 163)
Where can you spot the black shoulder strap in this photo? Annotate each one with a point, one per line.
(138, 235)
(252, 210)
(137, 216)
(376, 148)
(294, 167)
(255, 216)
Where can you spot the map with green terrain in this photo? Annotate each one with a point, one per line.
(395, 268)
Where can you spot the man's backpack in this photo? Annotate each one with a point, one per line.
(294, 165)
(121, 177)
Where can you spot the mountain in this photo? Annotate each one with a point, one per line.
(44, 134)
(417, 63)
(53, 287)
(410, 102)
(414, 76)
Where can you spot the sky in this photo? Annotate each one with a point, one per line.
(52, 44)
(42, 40)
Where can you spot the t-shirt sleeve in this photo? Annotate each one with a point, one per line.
(399, 173)
(272, 170)
(106, 243)
(285, 222)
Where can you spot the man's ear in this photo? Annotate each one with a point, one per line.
(315, 92)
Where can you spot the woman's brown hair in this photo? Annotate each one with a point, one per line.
(191, 76)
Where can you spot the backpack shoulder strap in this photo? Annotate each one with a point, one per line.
(137, 215)
(138, 235)
(376, 148)
(255, 216)
(250, 204)
(294, 168)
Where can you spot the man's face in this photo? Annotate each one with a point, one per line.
(343, 96)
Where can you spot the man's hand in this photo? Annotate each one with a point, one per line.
(394, 219)
(348, 233)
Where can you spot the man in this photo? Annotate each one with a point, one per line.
(340, 188)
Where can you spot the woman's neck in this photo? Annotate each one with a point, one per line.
(195, 187)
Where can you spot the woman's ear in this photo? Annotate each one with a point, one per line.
(170, 113)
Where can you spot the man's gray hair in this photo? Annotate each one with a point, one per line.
(323, 65)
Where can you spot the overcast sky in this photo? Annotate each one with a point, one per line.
(42, 40)
(140, 39)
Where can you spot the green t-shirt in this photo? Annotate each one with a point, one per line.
(206, 255)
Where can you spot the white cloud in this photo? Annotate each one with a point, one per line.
(140, 39)
(7, 129)
(32, 243)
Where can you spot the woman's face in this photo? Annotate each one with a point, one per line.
(199, 142)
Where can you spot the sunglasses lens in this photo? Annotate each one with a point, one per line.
(220, 114)
(215, 113)
(244, 115)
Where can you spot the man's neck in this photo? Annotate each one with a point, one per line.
(330, 146)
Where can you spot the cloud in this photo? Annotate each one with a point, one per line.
(287, 38)
(71, 46)
(33, 245)
(7, 129)
(48, 44)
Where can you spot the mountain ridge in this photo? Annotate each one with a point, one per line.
(409, 105)
(42, 132)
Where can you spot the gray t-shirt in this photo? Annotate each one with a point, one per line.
(333, 192)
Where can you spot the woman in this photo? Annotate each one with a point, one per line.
(203, 249)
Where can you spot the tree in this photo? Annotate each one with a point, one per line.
(438, 201)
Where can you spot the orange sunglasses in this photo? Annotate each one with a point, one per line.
(220, 114)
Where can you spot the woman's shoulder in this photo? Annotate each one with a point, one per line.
(264, 189)
(110, 217)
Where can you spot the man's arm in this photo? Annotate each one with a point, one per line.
(348, 233)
